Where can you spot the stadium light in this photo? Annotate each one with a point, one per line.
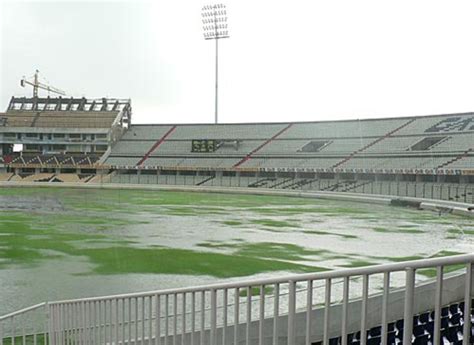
(214, 20)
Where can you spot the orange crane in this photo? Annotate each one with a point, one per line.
(39, 85)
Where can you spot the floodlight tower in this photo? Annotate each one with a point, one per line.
(214, 20)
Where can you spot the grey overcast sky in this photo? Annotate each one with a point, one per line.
(285, 60)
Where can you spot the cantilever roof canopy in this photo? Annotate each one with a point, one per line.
(68, 104)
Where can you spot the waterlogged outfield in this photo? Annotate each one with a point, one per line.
(67, 243)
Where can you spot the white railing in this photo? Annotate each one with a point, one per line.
(25, 326)
(299, 309)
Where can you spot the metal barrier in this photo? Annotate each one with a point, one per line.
(264, 311)
(26, 326)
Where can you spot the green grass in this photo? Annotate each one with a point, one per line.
(274, 223)
(327, 233)
(84, 225)
(402, 230)
(126, 260)
(444, 253)
(431, 272)
(255, 291)
(29, 340)
(232, 222)
(405, 258)
(268, 250)
(115, 256)
(358, 263)
(460, 231)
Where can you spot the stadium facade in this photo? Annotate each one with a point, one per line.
(85, 140)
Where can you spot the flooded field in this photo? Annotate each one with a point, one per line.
(59, 243)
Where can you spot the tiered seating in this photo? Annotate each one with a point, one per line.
(434, 125)
(343, 129)
(463, 163)
(227, 131)
(132, 148)
(58, 119)
(146, 132)
(381, 144)
(452, 321)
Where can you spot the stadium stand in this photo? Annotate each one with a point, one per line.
(403, 156)
(324, 145)
(93, 141)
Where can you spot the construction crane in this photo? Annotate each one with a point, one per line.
(39, 85)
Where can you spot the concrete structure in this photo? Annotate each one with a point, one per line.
(60, 132)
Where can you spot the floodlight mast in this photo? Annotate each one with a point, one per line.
(214, 20)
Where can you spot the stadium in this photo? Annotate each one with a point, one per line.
(330, 232)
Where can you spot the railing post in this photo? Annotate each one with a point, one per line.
(345, 302)
(309, 308)
(276, 312)
(291, 312)
(236, 314)
(262, 315)
(438, 305)
(327, 306)
(213, 317)
(409, 300)
(467, 305)
(386, 293)
(50, 324)
(249, 315)
(363, 322)
(158, 320)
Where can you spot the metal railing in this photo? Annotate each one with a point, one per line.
(298, 309)
(25, 326)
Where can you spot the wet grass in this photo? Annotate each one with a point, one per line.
(255, 291)
(268, 250)
(403, 258)
(126, 260)
(460, 231)
(29, 240)
(29, 339)
(327, 233)
(358, 263)
(431, 272)
(81, 222)
(273, 223)
(232, 222)
(402, 230)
